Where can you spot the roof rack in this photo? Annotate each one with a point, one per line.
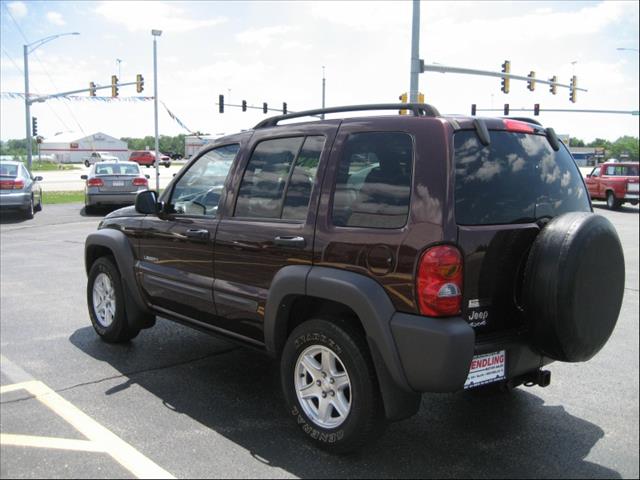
(417, 109)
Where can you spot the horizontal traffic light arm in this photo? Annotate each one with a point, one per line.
(43, 98)
(486, 73)
(551, 110)
(269, 109)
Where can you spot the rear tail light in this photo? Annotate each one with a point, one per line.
(516, 126)
(139, 182)
(11, 184)
(439, 281)
(95, 182)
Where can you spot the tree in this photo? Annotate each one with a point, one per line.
(576, 142)
(625, 148)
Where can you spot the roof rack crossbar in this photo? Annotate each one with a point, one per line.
(417, 109)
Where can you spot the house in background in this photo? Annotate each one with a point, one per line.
(72, 147)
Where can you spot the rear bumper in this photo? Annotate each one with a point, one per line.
(15, 200)
(436, 353)
(120, 198)
(631, 196)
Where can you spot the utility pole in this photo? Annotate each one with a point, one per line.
(323, 89)
(415, 53)
(156, 34)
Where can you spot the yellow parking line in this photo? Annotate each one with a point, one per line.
(104, 440)
(49, 442)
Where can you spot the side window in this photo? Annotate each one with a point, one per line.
(611, 170)
(263, 184)
(198, 190)
(373, 184)
(296, 201)
(595, 172)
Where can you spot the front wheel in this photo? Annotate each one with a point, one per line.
(106, 302)
(87, 164)
(330, 385)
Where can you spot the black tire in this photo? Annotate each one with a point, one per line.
(89, 209)
(87, 164)
(573, 286)
(118, 330)
(365, 419)
(167, 164)
(29, 212)
(612, 202)
(38, 207)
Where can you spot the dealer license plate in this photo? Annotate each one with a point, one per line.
(118, 183)
(486, 368)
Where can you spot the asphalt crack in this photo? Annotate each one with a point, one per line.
(128, 374)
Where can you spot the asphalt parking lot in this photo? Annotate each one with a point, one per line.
(176, 402)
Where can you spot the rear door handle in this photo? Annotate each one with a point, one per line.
(197, 233)
(293, 241)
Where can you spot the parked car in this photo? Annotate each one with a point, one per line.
(99, 157)
(148, 158)
(377, 257)
(19, 189)
(111, 183)
(615, 182)
(173, 155)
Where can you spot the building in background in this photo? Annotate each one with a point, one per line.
(193, 143)
(71, 147)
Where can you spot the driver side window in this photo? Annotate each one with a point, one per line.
(198, 191)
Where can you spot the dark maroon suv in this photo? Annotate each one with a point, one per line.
(377, 257)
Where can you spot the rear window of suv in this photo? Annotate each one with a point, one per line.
(517, 178)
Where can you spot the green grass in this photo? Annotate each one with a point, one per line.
(48, 166)
(62, 197)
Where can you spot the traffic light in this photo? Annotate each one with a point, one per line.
(531, 83)
(92, 89)
(221, 103)
(506, 68)
(139, 83)
(34, 126)
(284, 108)
(420, 97)
(573, 93)
(506, 109)
(553, 88)
(473, 109)
(536, 109)
(114, 86)
(264, 107)
(244, 105)
(403, 98)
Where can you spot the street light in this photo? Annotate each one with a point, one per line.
(156, 34)
(27, 102)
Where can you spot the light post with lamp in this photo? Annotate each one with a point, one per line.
(27, 101)
(156, 34)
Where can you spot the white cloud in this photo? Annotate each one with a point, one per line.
(144, 16)
(56, 18)
(18, 9)
(263, 37)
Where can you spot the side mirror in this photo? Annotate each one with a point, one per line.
(147, 202)
(38, 178)
(83, 177)
(147, 176)
(588, 175)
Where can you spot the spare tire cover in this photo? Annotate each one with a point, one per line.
(573, 286)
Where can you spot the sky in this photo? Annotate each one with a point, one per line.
(274, 52)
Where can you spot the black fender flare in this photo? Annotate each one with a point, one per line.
(364, 296)
(118, 244)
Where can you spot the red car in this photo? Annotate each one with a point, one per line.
(616, 183)
(148, 158)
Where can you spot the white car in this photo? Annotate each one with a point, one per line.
(99, 157)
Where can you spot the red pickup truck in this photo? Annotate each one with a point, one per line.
(616, 183)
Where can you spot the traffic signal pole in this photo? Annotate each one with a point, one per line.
(415, 53)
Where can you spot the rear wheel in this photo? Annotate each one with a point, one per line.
(29, 211)
(330, 385)
(612, 202)
(106, 302)
(38, 207)
(87, 164)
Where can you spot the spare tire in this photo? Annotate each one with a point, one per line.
(573, 286)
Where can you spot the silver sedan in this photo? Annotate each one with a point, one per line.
(113, 183)
(19, 189)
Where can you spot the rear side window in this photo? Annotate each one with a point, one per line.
(622, 170)
(279, 177)
(373, 185)
(517, 178)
